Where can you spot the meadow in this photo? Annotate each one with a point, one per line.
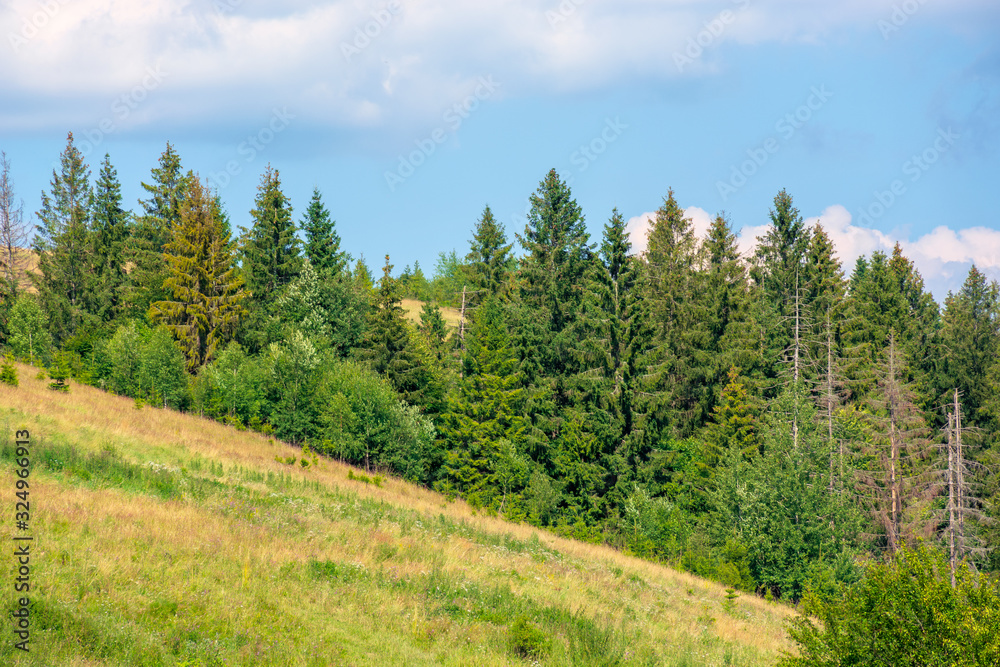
(168, 539)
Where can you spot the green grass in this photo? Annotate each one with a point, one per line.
(166, 539)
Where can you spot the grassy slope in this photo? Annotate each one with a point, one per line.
(169, 539)
(452, 316)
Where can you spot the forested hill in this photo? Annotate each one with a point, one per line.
(764, 421)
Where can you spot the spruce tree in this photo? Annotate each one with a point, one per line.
(551, 278)
(158, 216)
(970, 342)
(322, 246)
(778, 264)
(482, 424)
(489, 255)
(208, 295)
(388, 347)
(111, 232)
(676, 386)
(616, 334)
(271, 249)
(63, 245)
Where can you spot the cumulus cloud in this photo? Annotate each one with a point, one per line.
(638, 226)
(371, 62)
(943, 256)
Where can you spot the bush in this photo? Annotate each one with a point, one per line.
(526, 640)
(8, 374)
(902, 613)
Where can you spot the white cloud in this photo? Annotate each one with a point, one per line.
(638, 226)
(943, 256)
(80, 54)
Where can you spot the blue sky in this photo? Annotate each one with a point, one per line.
(881, 118)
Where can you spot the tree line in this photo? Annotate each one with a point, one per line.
(762, 420)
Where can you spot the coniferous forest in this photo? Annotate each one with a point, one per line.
(766, 421)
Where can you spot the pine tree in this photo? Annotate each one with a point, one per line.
(489, 255)
(111, 231)
(159, 215)
(63, 245)
(207, 292)
(322, 246)
(271, 249)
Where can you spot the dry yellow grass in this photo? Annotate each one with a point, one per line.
(412, 307)
(236, 562)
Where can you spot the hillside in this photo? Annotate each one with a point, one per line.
(167, 539)
(412, 308)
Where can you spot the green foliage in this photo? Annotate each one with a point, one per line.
(270, 250)
(322, 247)
(29, 336)
(902, 613)
(363, 422)
(526, 640)
(162, 378)
(60, 371)
(151, 232)
(63, 243)
(489, 260)
(8, 373)
(207, 293)
(110, 231)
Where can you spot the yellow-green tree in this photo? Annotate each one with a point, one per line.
(207, 291)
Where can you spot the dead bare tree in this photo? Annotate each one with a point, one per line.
(14, 233)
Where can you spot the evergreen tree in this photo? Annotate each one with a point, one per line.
(388, 347)
(483, 424)
(970, 342)
(207, 293)
(551, 279)
(322, 246)
(271, 249)
(779, 262)
(63, 245)
(615, 332)
(111, 232)
(679, 394)
(489, 255)
(778, 505)
(886, 297)
(158, 217)
(727, 309)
